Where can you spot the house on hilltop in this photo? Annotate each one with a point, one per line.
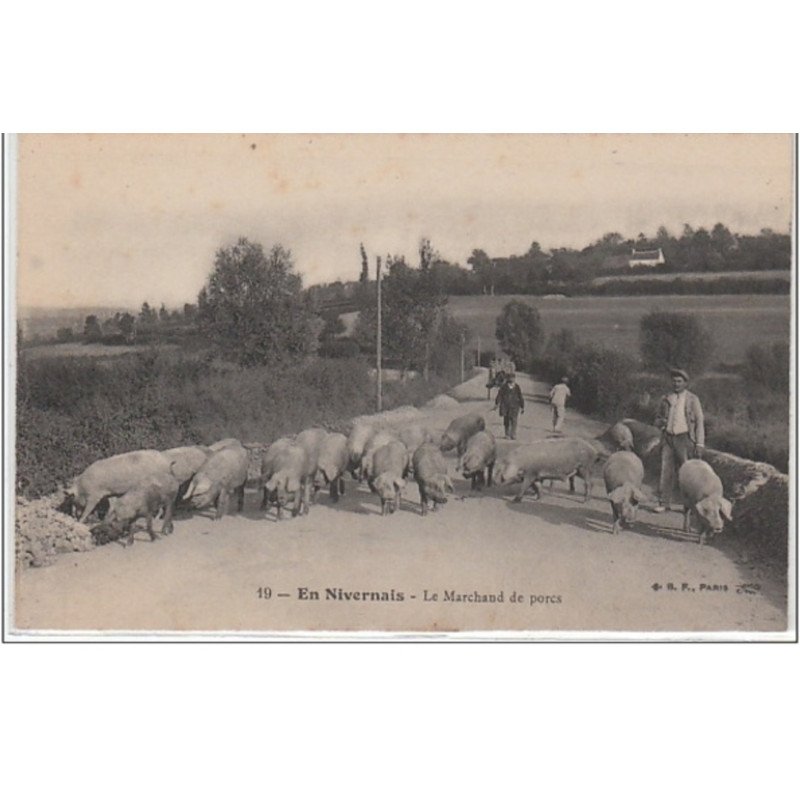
(646, 258)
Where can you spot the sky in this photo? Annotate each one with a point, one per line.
(118, 219)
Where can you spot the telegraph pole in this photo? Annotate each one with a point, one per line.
(462, 356)
(378, 338)
(479, 350)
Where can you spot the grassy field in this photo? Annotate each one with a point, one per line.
(80, 350)
(735, 321)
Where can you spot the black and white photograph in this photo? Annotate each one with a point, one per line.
(449, 386)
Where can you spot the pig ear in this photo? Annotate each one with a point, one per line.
(292, 484)
(637, 495)
(449, 484)
(617, 495)
(202, 486)
(399, 484)
(190, 489)
(701, 507)
(726, 508)
(270, 484)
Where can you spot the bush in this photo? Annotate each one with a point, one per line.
(558, 357)
(745, 420)
(412, 392)
(487, 356)
(768, 443)
(674, 340)
(768, 366)
(600, 380)
(519, 333)
(339, 348)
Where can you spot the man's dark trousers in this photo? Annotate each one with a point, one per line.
(510, 423)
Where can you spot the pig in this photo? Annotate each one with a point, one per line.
(223, 443)
(114, 476)
(617, 437)
(622, 437)
(311, 440)
(378, 439)
(623, 475)
(356, 442)
(224, 473)
(412, 436)
(701, 488)
(332, 463)
(646, 438)
(289, 483)
(479, 458)
(268, 465)
(430, 473)
(185, 462)
(458, 433)
(146, 501)
(388, 473)
(557, 459)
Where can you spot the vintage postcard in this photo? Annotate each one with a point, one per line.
(501, 387)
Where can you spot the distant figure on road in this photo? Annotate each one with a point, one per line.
(680, 419)
(495, 379)
(558, 401)
(511, 405)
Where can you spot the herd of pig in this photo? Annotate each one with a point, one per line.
(145, 483)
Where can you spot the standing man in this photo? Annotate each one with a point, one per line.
(511, 405)
(683, 435)
(558, 401)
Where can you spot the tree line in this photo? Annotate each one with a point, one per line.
(253, 310)
(125, 328)
(565, 270)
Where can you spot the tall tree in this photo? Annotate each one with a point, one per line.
(412, 306)
(483, 267)
(520, 333)
(147, 315)
(253, 308)
(364, 277)
(722, 239)
(127, 326)
(92, 332)
(427, 255)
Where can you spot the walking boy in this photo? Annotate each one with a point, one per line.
(558, 400)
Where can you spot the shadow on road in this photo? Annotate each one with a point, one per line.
(579, 516)
(590, 518)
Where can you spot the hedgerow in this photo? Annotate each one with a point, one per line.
(71, 412)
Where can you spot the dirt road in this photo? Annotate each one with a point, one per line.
(481, 563)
